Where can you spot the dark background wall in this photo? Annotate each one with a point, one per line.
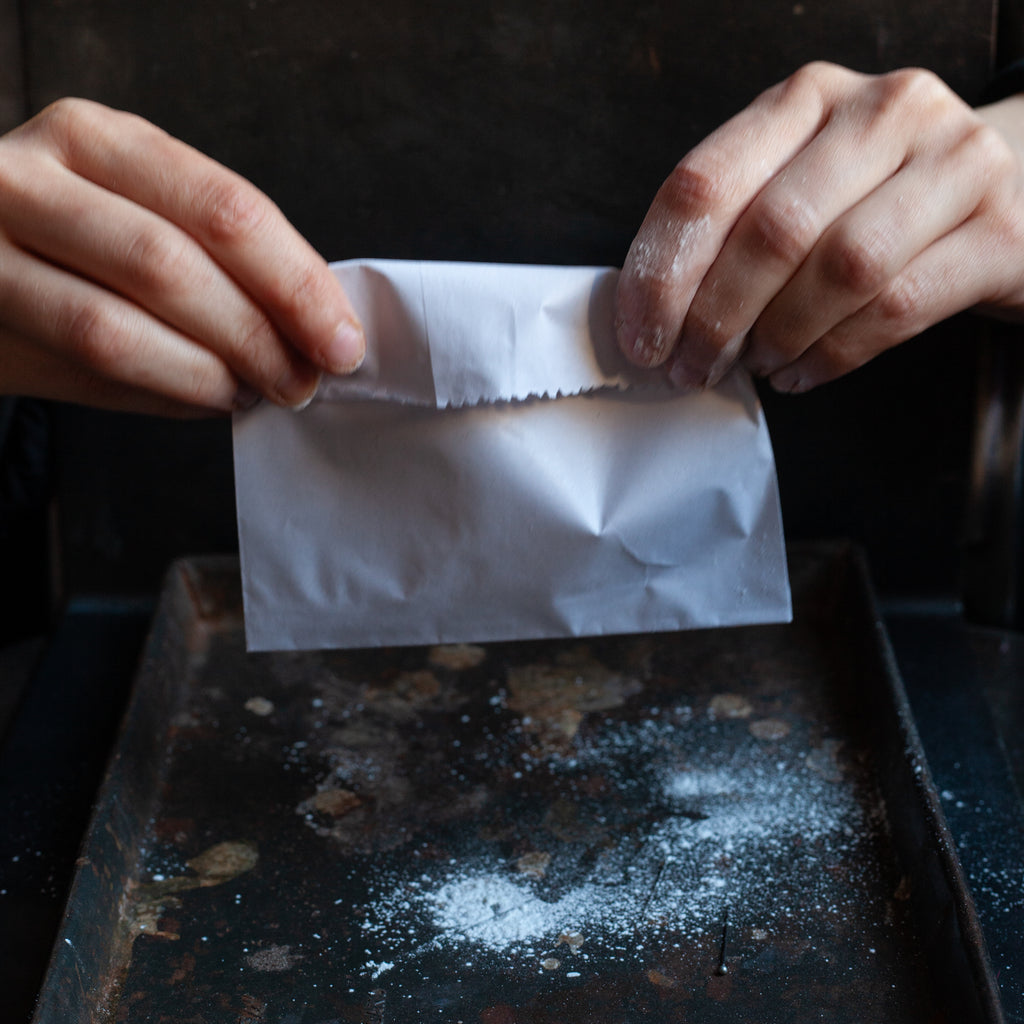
(518, 130)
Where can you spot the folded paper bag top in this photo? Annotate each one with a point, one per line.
(455, 334)
(495, 470)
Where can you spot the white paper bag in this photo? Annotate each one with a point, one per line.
(495, 471)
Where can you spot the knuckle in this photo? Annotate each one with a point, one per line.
(65, 117)
(698, 183)
(261, 359)
(94, 336)
(1005, 223)
(232, 210)
(991, 151)
(83, 380)
(9, 173)
(156, 261)
(256, 349)
(784, 229)
(911, 89)
(813, 77)
(901, 306)
(857, 263)
(808, 86)
(75, 126)
(769, 347)
(826, 361)
(707, 332)
(64, 125)
(196, 386)
(853, 344)
(306, 289)
(836, 356)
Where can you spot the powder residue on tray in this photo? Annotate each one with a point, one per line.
(273, 958)
(717, 827)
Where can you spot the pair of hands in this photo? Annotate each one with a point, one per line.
(835, 217)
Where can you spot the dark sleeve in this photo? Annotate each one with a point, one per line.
(1007, 82)
(25, 491)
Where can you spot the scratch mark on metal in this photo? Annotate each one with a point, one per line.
(654, 886)
(722, 966)
(375, 1006)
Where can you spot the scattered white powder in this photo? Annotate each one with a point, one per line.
(701, 784)
(495, 911)
(755, 833)
(376, 970)
(663, 252)
(259, 706)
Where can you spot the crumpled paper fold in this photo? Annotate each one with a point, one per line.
(495, 470)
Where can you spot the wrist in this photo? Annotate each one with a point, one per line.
(1006, 116)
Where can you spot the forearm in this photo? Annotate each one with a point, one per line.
(1007, 117)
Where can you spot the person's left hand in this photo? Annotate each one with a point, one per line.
(138, 274)
(837, 216)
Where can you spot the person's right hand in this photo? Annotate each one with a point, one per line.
(837, 216)
(138, 274)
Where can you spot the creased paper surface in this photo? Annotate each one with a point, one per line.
(495, 471)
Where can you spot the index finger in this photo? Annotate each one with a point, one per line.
(231, 219)
(701, 200)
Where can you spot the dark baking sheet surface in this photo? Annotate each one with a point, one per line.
(724, 825)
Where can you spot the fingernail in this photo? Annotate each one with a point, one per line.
(629, 338)
(346, 349)
(246, 397)
(298, 405)
(683, 378)
(296, 387)
(789, 384)
(304, 404)
(725, 360)
(650, 346)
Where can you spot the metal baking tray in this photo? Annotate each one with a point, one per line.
(724, 825)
